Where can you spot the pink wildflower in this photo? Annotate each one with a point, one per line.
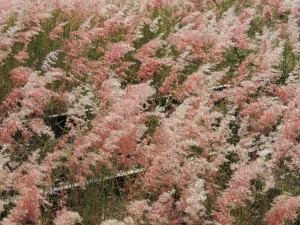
(116, 52)
(66, 217)
(20, 75)
(22, 56)
(284, 208)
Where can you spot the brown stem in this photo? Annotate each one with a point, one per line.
(216, 4)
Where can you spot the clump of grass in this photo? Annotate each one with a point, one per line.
(233, 58)
(287, 65)
(6, 66)
(152, 123)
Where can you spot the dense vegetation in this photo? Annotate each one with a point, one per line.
(150, 112)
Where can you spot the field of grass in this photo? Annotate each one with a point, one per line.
(150, 112)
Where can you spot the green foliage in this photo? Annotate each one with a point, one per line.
(222, 105)
(98, 201)
(195, 151)
(103, 198)
(24, 148)
(254, 211)
(234, 138)
(61, 84)
(152, 123)
(192, 67)
(287, 65)
(233, 58)
(147, 36)
(166, 20)
(92, 53)
(225, 171)
(288, 181)
(165, 25)
(57, 125)
(6, 210)
(44, 143)
(106, 197)
(6, 66)
(257, 25)
(41, 45)
(159, 77)
(55, 106)
(296, 221)
(132, 73)
(226, 4)
(166, 101)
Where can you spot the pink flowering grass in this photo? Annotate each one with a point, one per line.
(200, 98)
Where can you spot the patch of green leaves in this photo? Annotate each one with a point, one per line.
(254, 211)
(234, 138)
(225, 171)
(287, 65)
(222, 105)
(233, 59)
(152, 123)
(160, 76)
(98, 201)
(6, 66)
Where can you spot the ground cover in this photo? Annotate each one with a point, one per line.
(150, 112)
